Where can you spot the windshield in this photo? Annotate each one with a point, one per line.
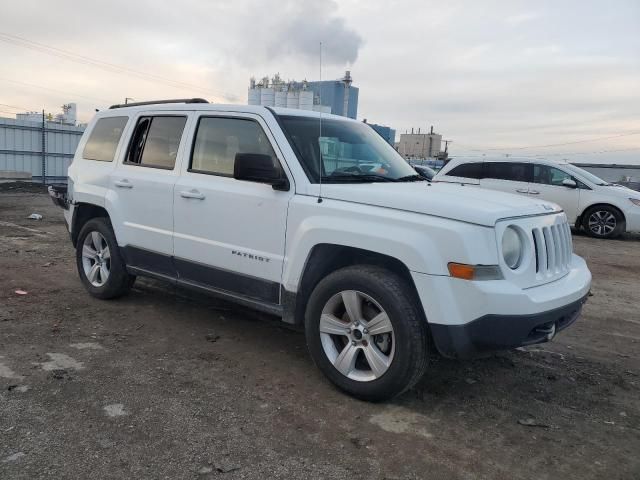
(351, 151)
(586, 175)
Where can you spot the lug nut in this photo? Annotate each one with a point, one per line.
(365, 331)
(353, 342)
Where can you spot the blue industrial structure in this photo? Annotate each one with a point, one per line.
(388, 133)
(337, 94)
(338, 97)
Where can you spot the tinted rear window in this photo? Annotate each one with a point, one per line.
(467, 170)
(104, 139)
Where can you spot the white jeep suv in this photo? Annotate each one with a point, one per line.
(323, 224)
(602, 209)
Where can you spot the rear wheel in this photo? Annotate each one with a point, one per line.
(603, 222)
(100, 265)
(366, 332)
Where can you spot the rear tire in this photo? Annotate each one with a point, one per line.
(387, 304)
(603, 221)
(101, 267)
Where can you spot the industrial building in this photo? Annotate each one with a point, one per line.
(34, 143)
(417, 145)
(338, 97)
(388, 133)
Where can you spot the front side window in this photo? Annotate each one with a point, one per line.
(549, 175)
(104, 139)
(512, 171)
(218, 141)
(155, 142)
(467, 170)
(344, 151)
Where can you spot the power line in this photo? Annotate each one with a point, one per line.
(477, 148)
(111, 67)
(13, 106)
(66, 94)
(596, 152)
(590, 153)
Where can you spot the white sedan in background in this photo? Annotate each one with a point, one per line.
(602, 209)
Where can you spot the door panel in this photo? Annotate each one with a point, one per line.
(142, 191)
(547, 185)
(229, 234)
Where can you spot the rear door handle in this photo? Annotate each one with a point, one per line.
(522, 190)
(124, 183)
(192, 194)
(534, 192)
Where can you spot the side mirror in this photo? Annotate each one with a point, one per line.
(569, 183)
(256, 167)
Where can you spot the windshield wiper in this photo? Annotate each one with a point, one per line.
(411, 178)
(350, 177)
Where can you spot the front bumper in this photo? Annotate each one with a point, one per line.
(468, 318)
(632, 218)
(500, 332)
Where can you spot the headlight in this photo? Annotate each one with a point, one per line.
(512, 248)
(635, 201)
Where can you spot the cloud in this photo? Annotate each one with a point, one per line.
(305, 24)
(518, 19)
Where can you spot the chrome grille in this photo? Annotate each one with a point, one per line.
(553, 249)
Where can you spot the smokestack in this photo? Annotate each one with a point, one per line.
(431, 129)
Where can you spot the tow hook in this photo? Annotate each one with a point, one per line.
(549, 330)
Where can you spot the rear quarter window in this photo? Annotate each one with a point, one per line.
(104, 138)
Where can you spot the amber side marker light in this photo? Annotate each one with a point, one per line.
(460, 270)
(475, 272)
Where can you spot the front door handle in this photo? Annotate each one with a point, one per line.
(522, 190)
(534, 192)
(124, 183)
(192, 194)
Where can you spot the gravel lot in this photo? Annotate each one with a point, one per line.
(167, 384)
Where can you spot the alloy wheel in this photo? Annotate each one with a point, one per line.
(602, 223)
(96, 259)
(357, 336)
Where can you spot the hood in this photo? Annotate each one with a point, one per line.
(458, 202)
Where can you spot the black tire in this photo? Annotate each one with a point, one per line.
(119, 282)
(410, 329)
(603, 211)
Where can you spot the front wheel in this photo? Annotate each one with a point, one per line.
(365, 330)
(603, 222)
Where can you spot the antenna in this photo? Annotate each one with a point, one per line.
(320, 135)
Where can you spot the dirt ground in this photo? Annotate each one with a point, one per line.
(167, 384)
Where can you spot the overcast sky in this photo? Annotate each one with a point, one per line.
(497, 75)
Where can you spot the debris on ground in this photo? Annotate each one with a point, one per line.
(60, 374)
(212, 337)
(14, 457)
(532, 422)
(21, 292)
(359, 442)
(226, 467)
(35, 216)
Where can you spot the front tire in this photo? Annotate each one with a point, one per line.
(367, 333)
(101, 267)
(603, 222)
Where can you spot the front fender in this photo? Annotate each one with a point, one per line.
(423, 243)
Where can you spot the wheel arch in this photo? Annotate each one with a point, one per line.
(82, 213)
(580, 219)
(326, 258)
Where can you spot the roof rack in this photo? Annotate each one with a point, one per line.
(159, 102)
